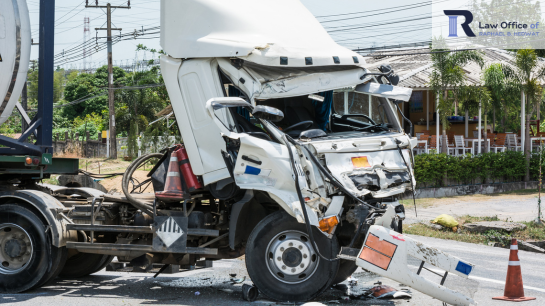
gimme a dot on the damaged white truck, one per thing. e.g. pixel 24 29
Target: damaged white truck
pixel 276 164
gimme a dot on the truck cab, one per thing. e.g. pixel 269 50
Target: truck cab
pixel 273 112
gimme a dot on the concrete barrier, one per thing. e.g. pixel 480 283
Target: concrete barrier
pixel 452 191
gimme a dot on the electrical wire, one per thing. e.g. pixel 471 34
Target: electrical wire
pixel 397 141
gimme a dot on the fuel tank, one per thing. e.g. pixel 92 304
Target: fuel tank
pixel 14 53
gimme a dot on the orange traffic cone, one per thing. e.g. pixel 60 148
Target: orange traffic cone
pixel 173 185
pixel 514 290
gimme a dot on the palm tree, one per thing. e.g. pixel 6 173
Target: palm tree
pixel 472 98
pixel 525 74
pixel 447 74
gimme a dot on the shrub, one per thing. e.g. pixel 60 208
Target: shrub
pixel 434 170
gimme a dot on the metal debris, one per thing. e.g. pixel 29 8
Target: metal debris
pixel 238 280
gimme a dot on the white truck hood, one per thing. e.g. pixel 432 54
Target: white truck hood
pixel 258 31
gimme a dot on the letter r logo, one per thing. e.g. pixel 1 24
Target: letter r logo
pixel 453 22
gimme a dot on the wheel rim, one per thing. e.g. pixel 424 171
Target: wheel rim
pixel 15 248
pixel 290 257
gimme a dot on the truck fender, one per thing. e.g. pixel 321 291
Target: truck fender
pixel 245 215
pixel 49 207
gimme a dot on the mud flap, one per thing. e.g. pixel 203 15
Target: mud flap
pixel 385 253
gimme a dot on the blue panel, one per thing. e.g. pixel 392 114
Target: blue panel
pixel 252 170
pixel 462 267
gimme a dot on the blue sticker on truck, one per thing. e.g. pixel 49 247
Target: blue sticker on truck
pixel 464 268
pixel 252 170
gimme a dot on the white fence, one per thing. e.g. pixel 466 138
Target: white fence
pixel 147 144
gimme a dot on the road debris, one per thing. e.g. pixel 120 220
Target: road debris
pixel 352 281
pixel 197 293
pixel 227 290
pixel 387 292
pixel 238 280
pixel 249 292
pixel 446 221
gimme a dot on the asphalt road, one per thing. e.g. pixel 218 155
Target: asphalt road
pixel 212 286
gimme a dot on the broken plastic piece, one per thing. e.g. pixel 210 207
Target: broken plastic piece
pixel 238 280
pixel 327 225
pixel 385 253
pixel 197 293
pixel 386 292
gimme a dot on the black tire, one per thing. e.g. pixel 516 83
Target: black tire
pixel 260 265
pixel 83 264
pixel 59 256
pixel 346 269
pixel 44 259
pixel 107 261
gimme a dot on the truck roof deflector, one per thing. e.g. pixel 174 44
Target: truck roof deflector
pixel 385 91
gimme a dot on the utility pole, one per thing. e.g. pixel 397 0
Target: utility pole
pixel 111 105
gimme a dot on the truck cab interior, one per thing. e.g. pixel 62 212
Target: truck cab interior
pixel 303 114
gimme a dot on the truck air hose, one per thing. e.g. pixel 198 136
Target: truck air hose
pixel 143 206
pixel 333 181
pixel 330 177
pixel 302 202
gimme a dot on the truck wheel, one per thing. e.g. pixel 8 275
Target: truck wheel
pixel 27 258
pixel 282 263
pixel 83 264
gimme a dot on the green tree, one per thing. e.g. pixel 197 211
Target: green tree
pixel 525 75
pixel 87 85
pixel 447 74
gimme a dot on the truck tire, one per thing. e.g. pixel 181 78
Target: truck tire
pixel 282 263
pixel 59 256
pixel 346 269
pixel 27 258
pixel 84 264
pixel 107 261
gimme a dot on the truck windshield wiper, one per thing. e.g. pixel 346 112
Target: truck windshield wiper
pixel 382 126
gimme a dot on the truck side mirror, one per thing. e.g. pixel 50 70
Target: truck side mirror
pixel 268 113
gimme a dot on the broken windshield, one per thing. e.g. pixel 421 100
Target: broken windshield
pixel 353 111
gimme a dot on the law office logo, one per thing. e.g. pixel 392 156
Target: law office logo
pixel 453 22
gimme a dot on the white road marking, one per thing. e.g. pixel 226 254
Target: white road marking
pixel 503 283
pixel 488 280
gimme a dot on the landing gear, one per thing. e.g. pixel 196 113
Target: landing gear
pixel 27 258
pixel 282 263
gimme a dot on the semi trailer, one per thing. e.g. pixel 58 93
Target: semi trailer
pixel 274 165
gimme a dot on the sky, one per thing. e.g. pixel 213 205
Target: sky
pixel 352 23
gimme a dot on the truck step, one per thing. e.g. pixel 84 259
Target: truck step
pixel 136 229
pixel 172 269
pixel 97 247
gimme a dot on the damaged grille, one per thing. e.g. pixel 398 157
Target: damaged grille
pixel 395 179
pixel 366 181
pixel 372 182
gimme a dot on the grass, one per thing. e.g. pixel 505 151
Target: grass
pixel 532 231
pixel 420 203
